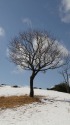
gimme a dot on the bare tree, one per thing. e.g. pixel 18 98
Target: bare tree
pixel 35 51
pixel 65 72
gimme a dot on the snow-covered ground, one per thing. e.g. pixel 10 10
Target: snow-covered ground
pixel 55 109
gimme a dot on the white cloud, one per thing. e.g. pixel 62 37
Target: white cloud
pixel 65 11
pixel 17 70
pixel 2 31
pixel 27 21
pixel 7 52
pixel 63 49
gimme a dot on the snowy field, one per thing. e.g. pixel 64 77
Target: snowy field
pixel 55 109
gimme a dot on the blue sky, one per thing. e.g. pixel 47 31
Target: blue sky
pixel 21 15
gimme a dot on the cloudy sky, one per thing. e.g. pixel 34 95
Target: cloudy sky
pixel 20 15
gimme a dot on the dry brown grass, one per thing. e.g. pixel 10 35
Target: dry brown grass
pixel 15 101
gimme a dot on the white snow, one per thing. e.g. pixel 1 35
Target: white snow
pixel 55 109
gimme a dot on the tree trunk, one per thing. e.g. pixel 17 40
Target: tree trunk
pixel 68 89
pixel 31 86
pixel 31 83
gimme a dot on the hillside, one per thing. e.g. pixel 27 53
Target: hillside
pixel 53 110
